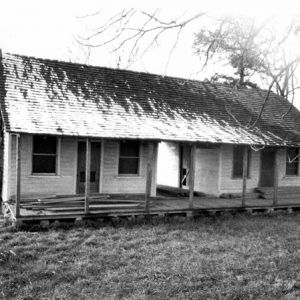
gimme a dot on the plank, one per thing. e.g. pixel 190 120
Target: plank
pixel 18 172
pixel 245 173
pixel 149 175
pixel 94 207
pixel 87 174
pixel 192 176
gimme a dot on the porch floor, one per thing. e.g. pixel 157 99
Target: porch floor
pixel 66 208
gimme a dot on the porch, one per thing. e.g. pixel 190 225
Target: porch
pixel 105 205
pixel 152 200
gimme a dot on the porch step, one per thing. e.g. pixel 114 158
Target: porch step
pixel 281 190
pixel 282 193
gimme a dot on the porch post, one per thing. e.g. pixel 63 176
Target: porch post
pixel 18 171
pixel 87 175
pixel 245 172
pixel 275 195
pixel 192 177
pixel 149 175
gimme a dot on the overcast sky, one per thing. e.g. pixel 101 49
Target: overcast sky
pixel 48 29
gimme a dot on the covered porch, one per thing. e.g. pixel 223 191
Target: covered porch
pixel 104 205
pixel 155 200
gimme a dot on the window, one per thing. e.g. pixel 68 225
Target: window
pixel 292 161
pixel 44 155
pixel 129 158
pixel 238 153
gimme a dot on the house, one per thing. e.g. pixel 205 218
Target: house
pixel 55 114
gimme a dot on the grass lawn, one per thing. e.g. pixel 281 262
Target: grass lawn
pixel 222 257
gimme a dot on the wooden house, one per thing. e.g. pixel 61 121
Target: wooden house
pixel 55 114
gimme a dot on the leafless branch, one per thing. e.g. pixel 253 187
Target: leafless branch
pixel 135 28
pixel 89 15
pixel 291 160
pixel 173 48
pixel 270 88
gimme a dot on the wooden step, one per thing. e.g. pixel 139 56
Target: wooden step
pixel 268 190
pixel 284 196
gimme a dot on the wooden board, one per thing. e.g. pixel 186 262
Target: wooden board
pixel 103 206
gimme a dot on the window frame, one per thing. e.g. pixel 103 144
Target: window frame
pixel 130 157
pixel 233 176
pixel 56 155
pixel 296 161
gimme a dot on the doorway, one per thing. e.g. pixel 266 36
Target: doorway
pixel 267 168
pixel 94 167
pixel 184 166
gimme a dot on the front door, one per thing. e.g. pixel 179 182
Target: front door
pixel 267 168
pixel 94 169
pixel 184 167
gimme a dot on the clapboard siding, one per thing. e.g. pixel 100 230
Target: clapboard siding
pixel 114 183
pixel 234 185
pixel 207 171
pixel 6 168
pixel 63 183
pixel 213 169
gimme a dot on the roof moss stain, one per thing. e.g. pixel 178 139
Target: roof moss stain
pixel 52 97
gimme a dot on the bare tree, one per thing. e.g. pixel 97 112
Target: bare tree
pixel 256 51
pixel 136 32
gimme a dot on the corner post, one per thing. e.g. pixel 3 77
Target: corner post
pixel 87 175
pixel 245 173
pixel 192 177
pixel 149 175
pixel 275 194
pixel 18 171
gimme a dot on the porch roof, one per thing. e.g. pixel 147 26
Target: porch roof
pixel 40 96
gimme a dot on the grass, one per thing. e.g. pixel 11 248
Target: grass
pixel 224 257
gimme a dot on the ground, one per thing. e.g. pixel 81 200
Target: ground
pixel 218 257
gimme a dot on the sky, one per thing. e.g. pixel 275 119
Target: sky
pixel 49 29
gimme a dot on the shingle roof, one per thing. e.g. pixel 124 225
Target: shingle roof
pixel 41 96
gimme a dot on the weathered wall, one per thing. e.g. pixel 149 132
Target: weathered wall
pixel 228 184
pixel 65 181
pixel 168 164
pixel 114 183
pixel 214 169
pixel 207 170
pixel 62 183
pixel 234 185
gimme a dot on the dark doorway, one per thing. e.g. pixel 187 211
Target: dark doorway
pixel 184 166
pixel 267 168
pixel 94 169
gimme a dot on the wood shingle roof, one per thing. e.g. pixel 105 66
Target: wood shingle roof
pixel 40 96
